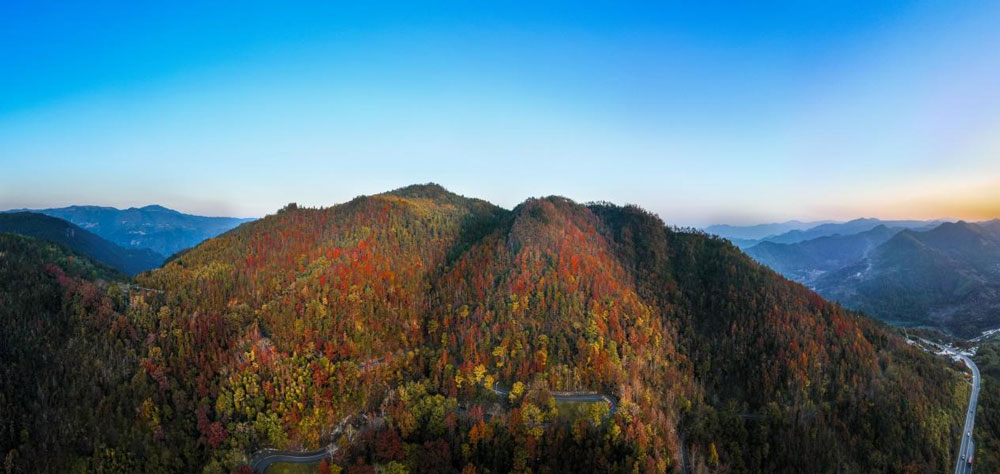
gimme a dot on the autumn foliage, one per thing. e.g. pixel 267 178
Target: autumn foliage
pixel 398 314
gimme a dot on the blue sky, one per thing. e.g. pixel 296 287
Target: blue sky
pixel 702 112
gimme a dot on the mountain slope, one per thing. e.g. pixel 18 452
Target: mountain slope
pixel 947 277
pixel 545 301
pixel 687 333
pixel 807 260
pixel 438 328
pixel 156 228
pixel 129 261
pixel 65 352
pixel 813 373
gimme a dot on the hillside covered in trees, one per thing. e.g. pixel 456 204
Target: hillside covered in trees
pixel 440 327
pixel 40 226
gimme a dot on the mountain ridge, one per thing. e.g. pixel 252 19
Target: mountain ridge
pixel 832 228
pixel 553 293
pixel 41 226
pixel 154 227
pixel 947 277
pixel 412 305
pixel 760 231
pixel 807 260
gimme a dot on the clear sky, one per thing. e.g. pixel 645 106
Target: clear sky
pixel 703 112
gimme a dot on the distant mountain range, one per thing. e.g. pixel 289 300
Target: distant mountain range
pixel 40 226
pixel 948 277
pixel 759 231
pixel 805 261
pixel 162 230
pixel 739 235
pixel 945 276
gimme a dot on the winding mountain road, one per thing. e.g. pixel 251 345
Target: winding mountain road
pixel 263 459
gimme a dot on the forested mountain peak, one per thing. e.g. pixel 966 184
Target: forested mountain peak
pixel 423 306
pixel 905 241
pixel 157 208
pixel 428 190
pixel 956 228
pixel 957 234
pixel 551 218
pixel 966 242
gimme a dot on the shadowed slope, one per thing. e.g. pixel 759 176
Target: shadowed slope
pixel 129 261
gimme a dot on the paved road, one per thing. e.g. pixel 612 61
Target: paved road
pixel 585 397
pixel 132 286
pixel 263 459
pixel 967 448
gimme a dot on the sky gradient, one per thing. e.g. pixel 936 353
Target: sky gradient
pixel 703 112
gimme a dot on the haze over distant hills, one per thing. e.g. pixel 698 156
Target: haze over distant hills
pixel 911 273
pixel 40 226
pixel 947 277
pixel 759 231
pixel 737 234
pixel 162 230
pixel 845 228
pixel 804 261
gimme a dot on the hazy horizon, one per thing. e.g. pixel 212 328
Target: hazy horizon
pixel 736 222
pixel 703 114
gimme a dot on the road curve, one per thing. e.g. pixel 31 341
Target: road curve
pixel 967 446
pixel 263 459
